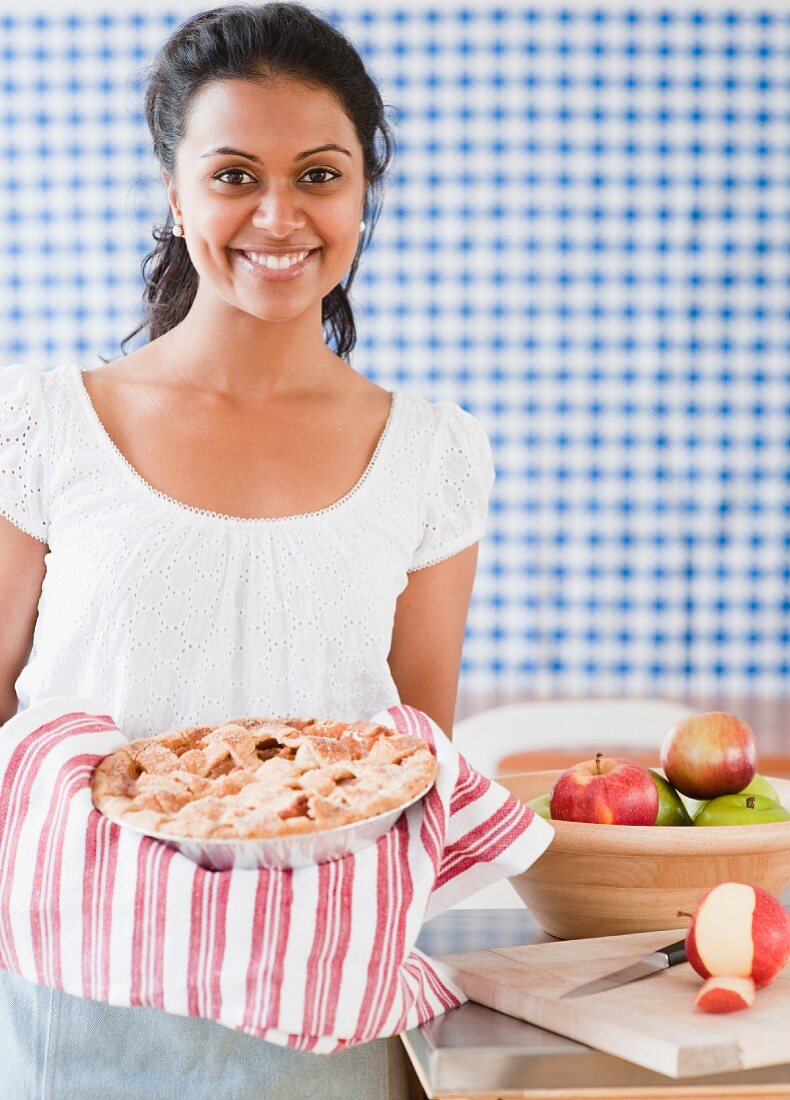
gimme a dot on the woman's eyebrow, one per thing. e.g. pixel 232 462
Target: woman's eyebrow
pixel 250 156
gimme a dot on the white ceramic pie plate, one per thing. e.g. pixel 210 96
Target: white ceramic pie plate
pixel 282 852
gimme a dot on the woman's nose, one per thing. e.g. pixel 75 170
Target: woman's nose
pixel 278 213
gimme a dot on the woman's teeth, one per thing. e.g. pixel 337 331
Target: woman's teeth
pixel 276 263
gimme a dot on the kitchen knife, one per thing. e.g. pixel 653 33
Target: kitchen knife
pixel 653 963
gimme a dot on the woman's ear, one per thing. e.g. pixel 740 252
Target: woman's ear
pixel 172 196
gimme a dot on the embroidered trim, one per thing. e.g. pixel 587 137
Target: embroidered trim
pixel 17 523
pixel 444 557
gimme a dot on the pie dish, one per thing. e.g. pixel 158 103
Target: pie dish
pixel 263 780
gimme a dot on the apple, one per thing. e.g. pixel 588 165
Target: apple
pixel 707 755
pixel 608 790
pixel 693 805
pixel 739 930
pixel 541 806
pixel 760 785
pixel 741 809
pixel 725 993
pixel 671 810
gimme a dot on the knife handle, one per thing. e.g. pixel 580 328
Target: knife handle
pixel 675 953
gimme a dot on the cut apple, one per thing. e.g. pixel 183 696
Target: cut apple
pixel 739 930
pixel 725 993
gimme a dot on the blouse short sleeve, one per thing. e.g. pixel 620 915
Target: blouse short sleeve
pixel 458 485
pixel 24 450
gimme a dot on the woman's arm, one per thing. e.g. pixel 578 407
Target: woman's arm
pixel 21 577
pixel 428 635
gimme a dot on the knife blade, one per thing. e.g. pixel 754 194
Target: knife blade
pixel 651 964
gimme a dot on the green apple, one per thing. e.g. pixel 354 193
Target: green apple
pixel 693 805
pixel 671 810
pixel 541 805
pixel 760 785
pixel 741 809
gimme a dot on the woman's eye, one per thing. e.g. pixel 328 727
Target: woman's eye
pixel 231 172
pixel 324 171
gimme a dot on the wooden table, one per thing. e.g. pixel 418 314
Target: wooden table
pixel 474 1053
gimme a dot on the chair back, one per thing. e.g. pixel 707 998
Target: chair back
pixel 487 738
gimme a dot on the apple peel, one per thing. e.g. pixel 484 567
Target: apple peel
pixel 725 993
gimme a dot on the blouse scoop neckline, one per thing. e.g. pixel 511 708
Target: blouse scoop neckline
pixel 109 445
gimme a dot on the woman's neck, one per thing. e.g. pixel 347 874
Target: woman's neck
pixel 242 357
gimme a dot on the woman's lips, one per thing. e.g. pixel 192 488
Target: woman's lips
pixel 268 275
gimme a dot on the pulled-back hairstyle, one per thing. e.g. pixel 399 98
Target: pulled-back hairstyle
pixel 258 42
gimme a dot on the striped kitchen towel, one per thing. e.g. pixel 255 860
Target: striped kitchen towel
pixel 317 958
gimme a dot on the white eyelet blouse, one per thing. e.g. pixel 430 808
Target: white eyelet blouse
pixel 177 615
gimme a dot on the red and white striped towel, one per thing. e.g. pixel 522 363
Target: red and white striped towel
pixel 317 958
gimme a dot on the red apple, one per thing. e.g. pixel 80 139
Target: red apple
pixel 606 791
pixel 725 993
pixel 739 930
pixel 708 755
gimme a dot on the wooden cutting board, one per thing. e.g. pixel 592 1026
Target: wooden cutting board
pixel 652 1022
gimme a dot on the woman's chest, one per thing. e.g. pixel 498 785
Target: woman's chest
pixel 248 462
pixel 176 505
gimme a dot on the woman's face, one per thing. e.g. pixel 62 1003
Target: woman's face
pixel 282 192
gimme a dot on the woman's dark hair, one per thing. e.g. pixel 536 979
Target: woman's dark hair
pixel 256 42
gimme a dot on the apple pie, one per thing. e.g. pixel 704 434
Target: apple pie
pixel 261 777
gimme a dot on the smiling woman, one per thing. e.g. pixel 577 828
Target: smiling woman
pixel 231 520
pixel 342 170
pixel 287 216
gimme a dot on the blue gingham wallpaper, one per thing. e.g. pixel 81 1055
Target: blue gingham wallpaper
pixel 585 243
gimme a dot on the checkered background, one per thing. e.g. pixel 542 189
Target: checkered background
pixel 585 243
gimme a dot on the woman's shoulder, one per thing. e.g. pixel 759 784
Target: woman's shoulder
pixel 19 379
pixel 41 406
pixel 444 422
pixel 438 410
pixel 28 452
pixel 23 384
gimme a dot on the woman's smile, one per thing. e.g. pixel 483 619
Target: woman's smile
pixel 277 269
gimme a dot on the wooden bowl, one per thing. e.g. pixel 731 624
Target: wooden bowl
pixel 606 880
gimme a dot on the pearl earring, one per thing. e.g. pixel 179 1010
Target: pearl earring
pixel 178 230
pixel 362 227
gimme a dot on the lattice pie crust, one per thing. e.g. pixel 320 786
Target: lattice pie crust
pixel 261 777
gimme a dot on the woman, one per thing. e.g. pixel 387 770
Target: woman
pixel 231 519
